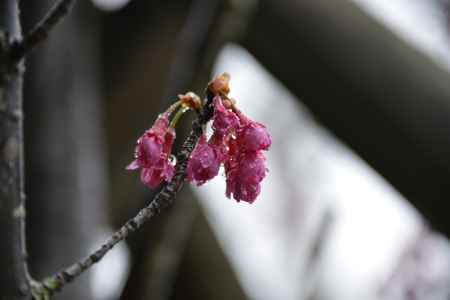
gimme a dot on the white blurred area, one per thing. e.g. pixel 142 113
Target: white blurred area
pixel 110 5
pixel 312 178
pixel 109 277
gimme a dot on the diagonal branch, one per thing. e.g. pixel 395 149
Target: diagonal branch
pixel 163 199
pixel 40 32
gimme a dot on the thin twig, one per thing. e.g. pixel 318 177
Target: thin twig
pixel 40 32
pixel 163 199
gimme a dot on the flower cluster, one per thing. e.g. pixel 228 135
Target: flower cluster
pixel 236 143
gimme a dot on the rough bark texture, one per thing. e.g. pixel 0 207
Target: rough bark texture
pixel 375 92
pixel 13 275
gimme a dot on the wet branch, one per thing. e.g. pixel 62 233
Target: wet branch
pixel 162 200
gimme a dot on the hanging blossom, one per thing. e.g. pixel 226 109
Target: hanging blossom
pixel 152 153
pixel 204 162
pixel 244 160
pixel 237 143
pixel 153 149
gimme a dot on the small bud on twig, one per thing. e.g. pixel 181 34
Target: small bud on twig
pixel 220 85
pixel 190 100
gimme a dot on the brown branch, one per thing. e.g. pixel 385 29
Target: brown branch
pixel 163 199
pixel 40 32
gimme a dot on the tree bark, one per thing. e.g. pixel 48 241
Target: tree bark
pixel 14 273
pixel 379 95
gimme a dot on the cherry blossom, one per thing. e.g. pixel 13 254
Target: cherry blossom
pixel 152 153
pixel 204 163
pixel 237 143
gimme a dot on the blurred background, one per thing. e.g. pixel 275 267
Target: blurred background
pixel 356 95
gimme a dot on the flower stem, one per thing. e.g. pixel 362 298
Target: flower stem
pixel 177 116
pixel 173 107
pixel 47 287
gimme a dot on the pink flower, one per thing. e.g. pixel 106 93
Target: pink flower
pixel 152 153
pixel 204 163
pixel 225 125
pixel 153 176
pixel 253 136
pixel 238 142
pixel 244 175
pixel 224 120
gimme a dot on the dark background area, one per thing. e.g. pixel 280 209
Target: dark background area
pixel 102 77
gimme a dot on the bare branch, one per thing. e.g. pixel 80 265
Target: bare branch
pixel 40 32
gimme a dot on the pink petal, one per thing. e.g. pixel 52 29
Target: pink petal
pixel 203 164
pixel 133 165
pixel 224 121
pixel 254 137
pixel 151 149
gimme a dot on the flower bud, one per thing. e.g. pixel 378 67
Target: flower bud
pixel 220 85
pixel 254 137
pixel 203 164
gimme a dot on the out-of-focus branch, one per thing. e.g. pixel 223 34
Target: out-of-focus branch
pixel 209 25
pixel 163 199
pixel 166 259
pixel 315 254
pixel 40 32
pixel 192 43
pixel 422 271
pixel 375 92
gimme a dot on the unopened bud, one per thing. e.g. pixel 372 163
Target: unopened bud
pixel 190 100
pixel 220 85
